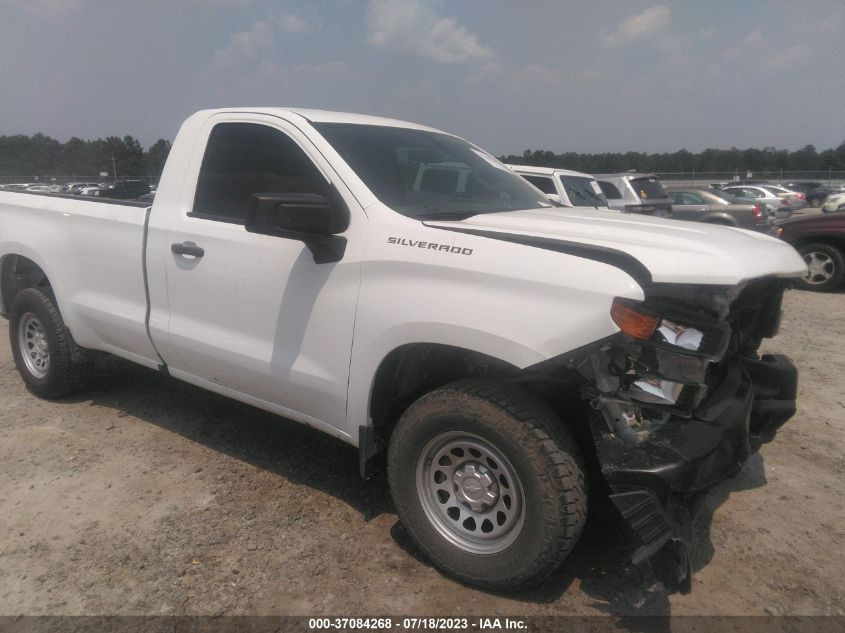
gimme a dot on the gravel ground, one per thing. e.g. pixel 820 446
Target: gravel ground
pixel 148 496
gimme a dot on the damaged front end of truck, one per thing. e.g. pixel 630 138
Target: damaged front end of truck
pixel 680 399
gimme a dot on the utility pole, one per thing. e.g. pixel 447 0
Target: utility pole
pixel 114 168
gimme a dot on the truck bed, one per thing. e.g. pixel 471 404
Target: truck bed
pixel 92 250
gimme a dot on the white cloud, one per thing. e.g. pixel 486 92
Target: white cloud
pixel 43 8
pixel 248 47
pixel 292 23
pixel 752 43
pixel 789 57
pixel 757 51
pixel 540 76
pixel 224 3
pixel 637 27
pixel 244 46
pixel 416 27
pixel 301 74
pixel 833 21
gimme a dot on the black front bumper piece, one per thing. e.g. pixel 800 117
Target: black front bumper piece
pixel 657 483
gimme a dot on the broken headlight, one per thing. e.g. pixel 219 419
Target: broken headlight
pixel 700 335
pixel 678 335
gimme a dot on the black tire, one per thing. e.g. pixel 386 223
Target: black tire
pixel 61 375
pixel 538 449
pixel 830 267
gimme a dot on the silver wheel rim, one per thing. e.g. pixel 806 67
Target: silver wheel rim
pixel 470 493
pixel 32 340
pixel 820 267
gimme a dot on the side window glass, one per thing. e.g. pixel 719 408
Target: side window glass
pixel 609 190
pixel 246 158
pixel 544 184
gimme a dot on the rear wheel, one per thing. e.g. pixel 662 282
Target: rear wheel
pixel 825 267
pixel 488 483
pixel 43 348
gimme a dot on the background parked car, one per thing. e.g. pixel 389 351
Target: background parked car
pixel 635 193
pixel 569 188
pixel 815 192
pixel 717 207
pixel 834 202
pixel 745 181
pixel 796 199
pixel 76 187
pixel 778 207
pixel 820 239
pixel 124 190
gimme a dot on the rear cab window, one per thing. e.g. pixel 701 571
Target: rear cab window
pixel 543 183
pixel 246 158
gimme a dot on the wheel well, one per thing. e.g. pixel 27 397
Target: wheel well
pixel 411 371
pixel 18 273
pixel 831 240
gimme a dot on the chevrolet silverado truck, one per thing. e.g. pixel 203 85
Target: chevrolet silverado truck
pixel 400 289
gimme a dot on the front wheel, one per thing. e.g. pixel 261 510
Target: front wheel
pixel 825 267
pixel 488 483
pixel 43 348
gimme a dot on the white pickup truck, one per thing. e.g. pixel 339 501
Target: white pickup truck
pixel 399 288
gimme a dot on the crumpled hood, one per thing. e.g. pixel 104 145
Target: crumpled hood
pixel 673 251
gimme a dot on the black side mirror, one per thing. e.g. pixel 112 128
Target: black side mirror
pixel 311 218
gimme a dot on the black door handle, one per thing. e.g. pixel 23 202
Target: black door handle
pixel 187 248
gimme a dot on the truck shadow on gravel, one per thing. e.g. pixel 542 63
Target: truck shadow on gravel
pixel 300 454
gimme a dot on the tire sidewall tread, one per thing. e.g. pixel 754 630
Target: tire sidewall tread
pixel 64 376
pixel 838 258
pixel 540 449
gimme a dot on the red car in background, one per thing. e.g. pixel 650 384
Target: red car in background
pixel 821 241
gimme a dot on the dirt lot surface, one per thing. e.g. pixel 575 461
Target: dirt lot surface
pixel 148 496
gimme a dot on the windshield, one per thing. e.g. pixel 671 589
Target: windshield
pixel 429 175
pixel 583 191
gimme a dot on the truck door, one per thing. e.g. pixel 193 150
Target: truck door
pixel 252 313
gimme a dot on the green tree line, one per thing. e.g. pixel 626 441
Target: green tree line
pixel 767 159
pixel 40 155
pixel 27 156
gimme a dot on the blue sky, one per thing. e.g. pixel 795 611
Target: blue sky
pixel 564 76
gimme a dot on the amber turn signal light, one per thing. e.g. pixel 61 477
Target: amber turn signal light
pixel 632 322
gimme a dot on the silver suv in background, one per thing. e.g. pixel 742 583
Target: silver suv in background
pixel 633 192
pixel 568 188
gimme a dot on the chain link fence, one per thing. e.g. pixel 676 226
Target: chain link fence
pixel 831 179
